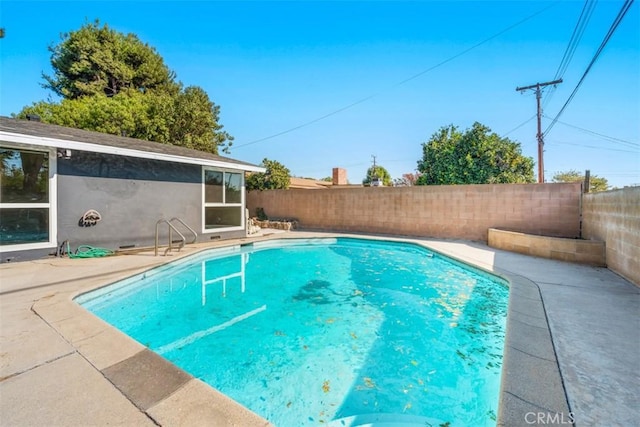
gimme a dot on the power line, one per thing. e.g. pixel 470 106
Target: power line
pixel 474 46
pixel 608 174
pixel 415 76
pixel 620 174
pixel 520 125
pixel 574 41
pixel 610 138
pixel 595 147
pixel 578 31
pixel 625 7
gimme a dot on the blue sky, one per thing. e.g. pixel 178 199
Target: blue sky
pixel 292 68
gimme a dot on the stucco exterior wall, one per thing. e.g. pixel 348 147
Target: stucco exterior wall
pixel 451 211
pixel 614 217
pixel 131 195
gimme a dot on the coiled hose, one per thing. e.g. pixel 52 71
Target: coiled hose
pixel 86 251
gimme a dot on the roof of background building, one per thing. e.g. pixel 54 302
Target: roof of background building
pixel 309 183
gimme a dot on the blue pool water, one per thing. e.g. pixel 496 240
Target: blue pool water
pixel 325 331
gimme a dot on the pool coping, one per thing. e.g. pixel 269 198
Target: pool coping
pixel 531 379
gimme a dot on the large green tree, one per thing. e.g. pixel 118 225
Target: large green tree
pixel 275 177
pixel 195 121
pixel 99 60
pixel 596 183
pixel 475 156
pixel 113 83
pixel 377 172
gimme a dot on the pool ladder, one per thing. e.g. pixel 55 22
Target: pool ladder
pixel 181 242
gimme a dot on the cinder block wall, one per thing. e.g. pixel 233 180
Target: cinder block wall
pixel 614 217
pixel 447 211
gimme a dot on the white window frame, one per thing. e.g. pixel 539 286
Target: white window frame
pixel 52 205
pixel 206 204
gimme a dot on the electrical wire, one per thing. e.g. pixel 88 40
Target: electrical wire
pixel 408 79
pixel 521 124
pixel 574 41
pixel 621 174
pixel 625 8
pixel 578 32
pixel 595 147
pixel 610 138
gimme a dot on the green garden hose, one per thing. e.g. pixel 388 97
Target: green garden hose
pixel 86 251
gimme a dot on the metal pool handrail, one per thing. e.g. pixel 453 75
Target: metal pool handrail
pixel 172 228
pixel 195 235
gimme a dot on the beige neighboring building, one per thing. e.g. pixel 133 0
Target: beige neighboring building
pixel 339 178
pixel 309 184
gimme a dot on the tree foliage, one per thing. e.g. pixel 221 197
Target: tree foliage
pixel 596 183
pixel 407 180
pixel 195 121
pixel 377 172
pixel 475 156
pixel 99 60
pixel 125 114
pixel 276 177
pixel 113 83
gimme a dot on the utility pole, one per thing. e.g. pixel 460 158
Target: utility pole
pixel 375 181
pixel 587 181
pixel 375 172
pixel 538 87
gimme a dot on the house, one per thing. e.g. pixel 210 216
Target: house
pixel 338 180
pixel 87 188
pixel 308 183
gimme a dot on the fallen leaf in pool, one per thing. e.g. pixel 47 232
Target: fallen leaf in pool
pixel 369 382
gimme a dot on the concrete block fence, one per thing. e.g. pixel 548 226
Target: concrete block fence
pixel 447 211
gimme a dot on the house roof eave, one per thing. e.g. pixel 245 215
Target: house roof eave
pixel 35 133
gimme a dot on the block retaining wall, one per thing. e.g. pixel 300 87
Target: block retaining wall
pixel 447 211
pixel 589 252
pixel 614 217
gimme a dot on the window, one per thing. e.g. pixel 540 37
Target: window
pixel 223 200
pixel 26 189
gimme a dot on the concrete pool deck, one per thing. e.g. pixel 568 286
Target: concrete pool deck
pixel 61 366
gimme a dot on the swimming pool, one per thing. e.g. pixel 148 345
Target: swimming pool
pixel 336 331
